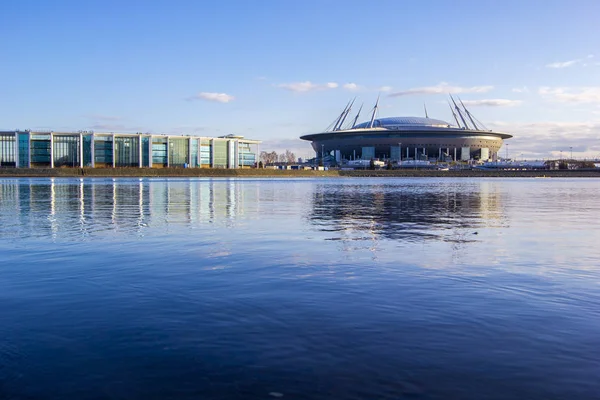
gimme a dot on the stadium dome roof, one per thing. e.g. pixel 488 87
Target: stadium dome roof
pixel 405 121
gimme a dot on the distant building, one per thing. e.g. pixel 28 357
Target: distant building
pixel 33 149
pixel 407 138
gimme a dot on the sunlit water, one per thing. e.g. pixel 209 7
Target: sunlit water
pixel 300 289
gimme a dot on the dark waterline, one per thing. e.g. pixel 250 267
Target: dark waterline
pixel 333 288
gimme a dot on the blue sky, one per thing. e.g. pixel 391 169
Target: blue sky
pixel 274 70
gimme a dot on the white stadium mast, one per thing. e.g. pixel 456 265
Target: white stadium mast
pixel 357 115
pixel 468 114
pixel 454 114
pixel 345 114
pixel 337 121
pixel 460 113
pixel 374 112
pixel 462 116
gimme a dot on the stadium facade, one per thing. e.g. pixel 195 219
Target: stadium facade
pixel 407 138
pixel 48 149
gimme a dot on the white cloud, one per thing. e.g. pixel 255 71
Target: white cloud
pixel 570 63
pixel 590 94
pixel 351 86
pixel 307 86
pixel 443 87
pixel 563 64
pixel 492 103
pixel 548 139
pixel 209 96
pixel 298 86
pixel 523 89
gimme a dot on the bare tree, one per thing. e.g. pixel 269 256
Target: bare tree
pixel 282 158
pixel 269 158
pixel 290 157
pixel 263 156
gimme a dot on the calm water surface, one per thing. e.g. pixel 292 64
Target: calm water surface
pixel 299 289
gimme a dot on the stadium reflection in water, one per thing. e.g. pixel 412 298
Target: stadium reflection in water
pixel 435 210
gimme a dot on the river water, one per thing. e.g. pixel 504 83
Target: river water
pixel 299 289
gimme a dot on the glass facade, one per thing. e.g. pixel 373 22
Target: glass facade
pixel 178 152
pixel 87 150
pixel 40 150
pixel 25 149
pixel 159 152
pixel 205 153
pixel 368 153
pixel 127 151
pixel 146 151
pixel 66 151
pixel 103 151
pixel 247 158
pixel 220 153
pixel 194 153
pixel 7 150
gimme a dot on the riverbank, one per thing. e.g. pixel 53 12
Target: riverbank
pixel 272 173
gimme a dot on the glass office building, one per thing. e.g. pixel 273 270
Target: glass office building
pixel 28 149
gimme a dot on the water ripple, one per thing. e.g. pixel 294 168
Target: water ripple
pixel 320 289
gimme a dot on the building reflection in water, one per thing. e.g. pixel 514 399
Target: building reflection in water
pixel 84 207
pixel 408 212
pixel 349 211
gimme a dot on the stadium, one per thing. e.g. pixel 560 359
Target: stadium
pixel 407 138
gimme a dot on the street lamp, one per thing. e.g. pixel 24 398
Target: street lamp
pixel 506 151
pixel 322 154
pixel 571 148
